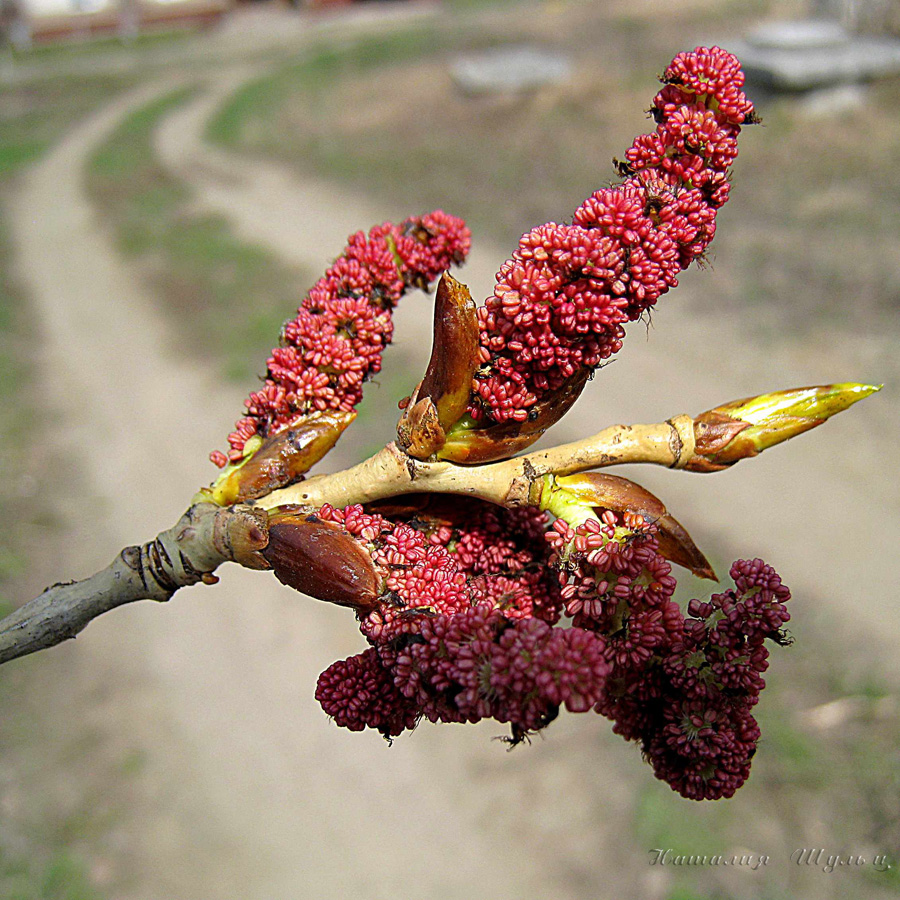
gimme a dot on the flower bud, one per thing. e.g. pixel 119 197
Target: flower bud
pixel 322 560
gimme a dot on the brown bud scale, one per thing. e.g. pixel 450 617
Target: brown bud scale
pixel 320 559
pixel 283 457
pixel 621 495
pixel 500 441
pixel 442 396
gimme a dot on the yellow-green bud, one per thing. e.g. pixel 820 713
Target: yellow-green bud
pixel 744 428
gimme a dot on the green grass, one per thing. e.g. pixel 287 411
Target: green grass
pixel 47 834
pixel 14 326
pixel 17 424
pixel 35 113
pixel 319 68
pixel 228 298
pixel 61 877
pixel 63 792
pixel 96 48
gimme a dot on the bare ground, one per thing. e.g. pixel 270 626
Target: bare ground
pixel 248 790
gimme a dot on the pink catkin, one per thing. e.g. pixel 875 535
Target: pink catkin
pixel 466 629
pixel 468 623
pixel 561 302
pixel 335 342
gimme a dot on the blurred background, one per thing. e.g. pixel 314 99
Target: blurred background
pixel 173 177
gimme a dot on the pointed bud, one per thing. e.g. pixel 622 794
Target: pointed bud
pixel 620 495
pixel 454 351
pixel 442 396
pixel 322 560
pixel 744 428
pixel 280 459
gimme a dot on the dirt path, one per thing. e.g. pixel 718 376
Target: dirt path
pixel 249 792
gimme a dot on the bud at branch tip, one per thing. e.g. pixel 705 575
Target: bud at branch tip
pixel 744 428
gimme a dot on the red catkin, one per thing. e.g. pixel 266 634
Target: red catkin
pixel 468 626
pixel 561 302
pixel 334 343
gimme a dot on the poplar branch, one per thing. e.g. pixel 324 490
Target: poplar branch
pixel 512 482
pixel 208 535
pixel 189 552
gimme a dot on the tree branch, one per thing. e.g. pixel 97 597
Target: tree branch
pixel 512 482
pixel 208 535
pixel 202 539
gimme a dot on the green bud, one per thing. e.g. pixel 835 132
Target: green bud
pixel 744 428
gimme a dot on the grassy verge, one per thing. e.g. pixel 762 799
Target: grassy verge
pixel 64 791
pixel 14 426
pixel 34 114
pixel 376 114
pixel 101 47
pixel 61 878
pixel 228 298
